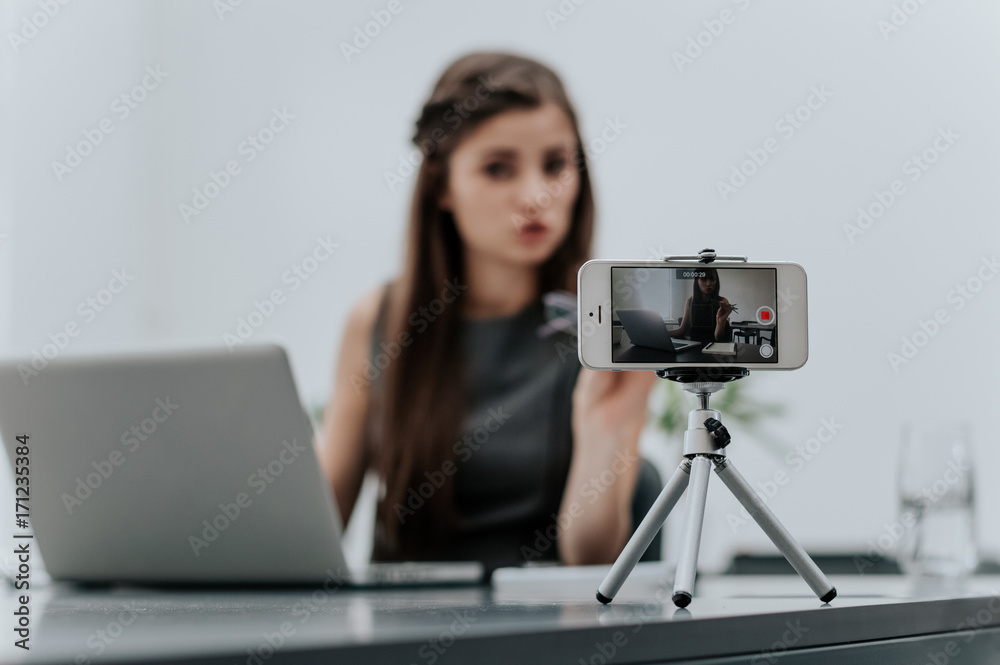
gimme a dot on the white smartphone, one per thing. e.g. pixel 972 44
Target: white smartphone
pixel 662 314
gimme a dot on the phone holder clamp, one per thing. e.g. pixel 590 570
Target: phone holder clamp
pixel 706 255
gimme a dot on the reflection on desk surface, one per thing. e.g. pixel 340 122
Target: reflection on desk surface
pixel 176 623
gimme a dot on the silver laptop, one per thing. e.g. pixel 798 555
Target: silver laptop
pixel 646 328
pixel 192 467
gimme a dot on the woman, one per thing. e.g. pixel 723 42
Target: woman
pixel 490 442
pixel 706 313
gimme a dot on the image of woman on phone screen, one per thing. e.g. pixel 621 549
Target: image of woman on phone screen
pixel 490 442
pixel 706 313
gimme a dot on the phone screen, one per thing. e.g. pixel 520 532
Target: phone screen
pixel 698 315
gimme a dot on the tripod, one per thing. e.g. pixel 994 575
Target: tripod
pixel 704 446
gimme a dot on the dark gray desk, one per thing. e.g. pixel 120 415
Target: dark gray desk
pixel 876 619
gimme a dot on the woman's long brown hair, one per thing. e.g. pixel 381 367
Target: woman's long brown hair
pixel 416 415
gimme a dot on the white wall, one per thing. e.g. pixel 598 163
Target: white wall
pixel 656 187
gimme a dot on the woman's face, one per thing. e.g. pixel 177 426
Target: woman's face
pixel 709 285
pixel 512 184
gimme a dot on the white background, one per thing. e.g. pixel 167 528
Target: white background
pixel 656 184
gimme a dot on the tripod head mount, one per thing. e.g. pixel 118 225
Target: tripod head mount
pixel 703 381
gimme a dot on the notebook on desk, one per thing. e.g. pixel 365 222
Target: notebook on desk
pixel 720 349
pixel 192 467
pixel 575 582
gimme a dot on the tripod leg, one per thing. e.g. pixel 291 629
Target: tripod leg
pixel 779 535
pixel 688 561
pixel 644 533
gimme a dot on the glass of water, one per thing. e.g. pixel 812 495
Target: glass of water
pixel 937 499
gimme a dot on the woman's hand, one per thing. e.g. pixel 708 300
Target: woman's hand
pixel 609 412
pixel 725 309
pixel 610 407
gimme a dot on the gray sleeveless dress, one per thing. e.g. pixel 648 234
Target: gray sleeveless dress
pixel 517 442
